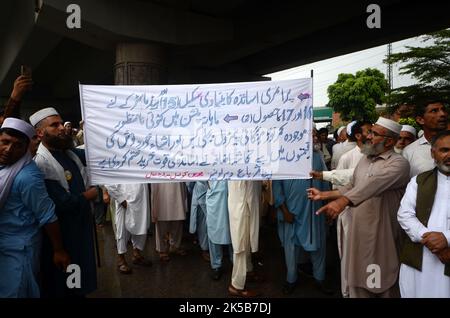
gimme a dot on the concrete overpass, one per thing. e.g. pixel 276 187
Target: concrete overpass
pixel 187 41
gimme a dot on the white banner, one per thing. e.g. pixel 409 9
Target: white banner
pixel 234 131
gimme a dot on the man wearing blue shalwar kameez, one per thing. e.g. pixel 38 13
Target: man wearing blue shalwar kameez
pixel 218 225
pixel 25 207
pixel 197 222
pixel 295 230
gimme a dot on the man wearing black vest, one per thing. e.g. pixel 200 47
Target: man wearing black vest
pixel 424 214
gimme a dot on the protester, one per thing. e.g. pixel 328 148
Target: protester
pixel 299 229
pixel 432 116
pixel 407 136
pixel 197 222
pixel 218 226
pixel 132 218
pixel 24 208
pixel 168 206
pixel 243 207
pixel 68 186
pixel 374 196
pixel 424 215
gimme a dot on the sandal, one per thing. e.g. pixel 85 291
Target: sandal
pixel 246 293
pixel 124 268
pixel 163 257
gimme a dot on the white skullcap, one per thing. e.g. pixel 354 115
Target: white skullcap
pixel 349 127
pixel 67 123
pixel 42 114
pixel 19 125
pixel 389 124
pixel 420 133
pixel 340 130
pixel 409 129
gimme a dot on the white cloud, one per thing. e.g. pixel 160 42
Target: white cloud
pixel 326 71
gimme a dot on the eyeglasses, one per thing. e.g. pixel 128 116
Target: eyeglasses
pixel 375 134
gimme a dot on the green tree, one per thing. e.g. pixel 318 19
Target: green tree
pixel 355 96
pixel 430 66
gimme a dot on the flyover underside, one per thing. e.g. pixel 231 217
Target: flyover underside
pixel 205 42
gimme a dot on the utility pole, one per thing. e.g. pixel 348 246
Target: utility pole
pixel 389 73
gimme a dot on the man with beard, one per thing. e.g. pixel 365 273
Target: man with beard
pixel 424 215
pixel 24 208
pixel 342 176
pixel 379 180
pixel 432 116
pixel 66 182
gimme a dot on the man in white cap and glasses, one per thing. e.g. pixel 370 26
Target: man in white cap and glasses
pixel 374 195
pixel 408 135
pixel 25 207
pixel 67 184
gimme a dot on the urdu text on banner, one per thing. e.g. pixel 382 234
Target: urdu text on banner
pixel 233 131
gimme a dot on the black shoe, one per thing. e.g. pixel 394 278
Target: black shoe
pixel 288 288
pixel 323 288
pixel 305 269
pixel 216 273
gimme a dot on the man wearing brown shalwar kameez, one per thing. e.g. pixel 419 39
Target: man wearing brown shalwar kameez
pixel 374 195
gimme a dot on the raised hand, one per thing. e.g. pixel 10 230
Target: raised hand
pixel 21 85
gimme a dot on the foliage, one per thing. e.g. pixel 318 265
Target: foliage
pixel 355 96
pixel 409 121
pixel 430 66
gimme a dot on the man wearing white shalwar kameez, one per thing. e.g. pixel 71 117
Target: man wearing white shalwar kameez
pixel 243 205
pixel 425 268
pixel 132 218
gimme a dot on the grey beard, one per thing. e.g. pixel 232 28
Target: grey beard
pixel 371 150
pixel 442 168
pixel 398 150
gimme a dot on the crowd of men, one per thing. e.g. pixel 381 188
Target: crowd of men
pixel 387 192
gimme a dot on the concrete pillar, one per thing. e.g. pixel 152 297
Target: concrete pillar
pixel 140 64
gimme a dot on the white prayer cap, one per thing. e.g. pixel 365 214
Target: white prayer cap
pixel 409 129
pixel 349 127
pixel 19 125
pixel 389 124
pixel 420 133
pixel 67 123
pixel 340 130
pixel 42 114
